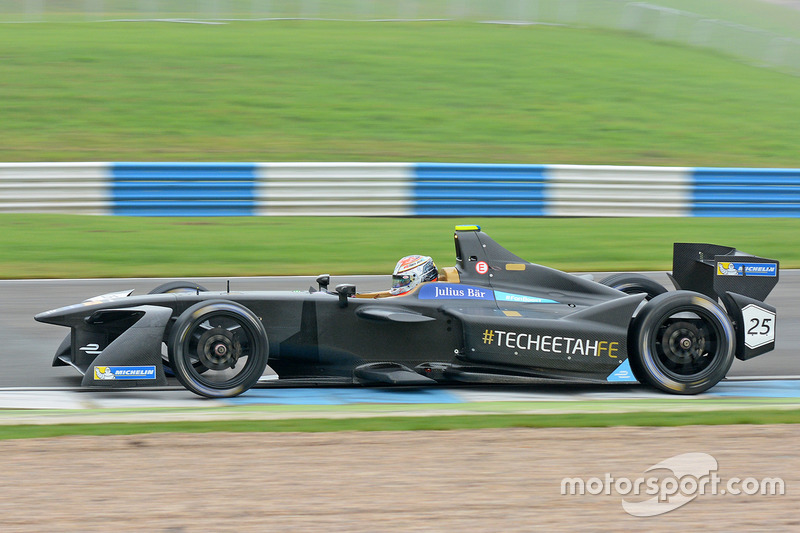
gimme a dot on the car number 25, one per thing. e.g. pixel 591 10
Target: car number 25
pixel 759 324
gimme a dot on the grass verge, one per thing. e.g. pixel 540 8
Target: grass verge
pixel 73 246
pixel 436 91
pixel 405 423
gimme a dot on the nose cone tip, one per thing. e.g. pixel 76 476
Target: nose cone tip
pixel 52 316
pixel 43 317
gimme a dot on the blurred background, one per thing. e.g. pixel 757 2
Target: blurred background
pixel 683 83
pixel 758 34
pixel 677 84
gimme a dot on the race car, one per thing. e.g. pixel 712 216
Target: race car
pixel 491 318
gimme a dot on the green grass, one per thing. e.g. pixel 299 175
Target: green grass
pixel 412 423
pixel 315 91
pixel 767 15
pixel 61 246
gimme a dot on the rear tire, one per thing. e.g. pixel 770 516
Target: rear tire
pixel 681 342
pixel 218 349
pixel 634 284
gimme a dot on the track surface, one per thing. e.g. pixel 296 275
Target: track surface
pixel 18 406
pixel 28 346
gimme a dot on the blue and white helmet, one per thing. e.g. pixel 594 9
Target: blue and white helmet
pixel 410 271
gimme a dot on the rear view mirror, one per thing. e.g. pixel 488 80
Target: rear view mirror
pixel 345 291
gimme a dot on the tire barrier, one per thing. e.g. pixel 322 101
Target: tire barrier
pixel 183 189
pixel 81 188
pixel 330 189
pixel 745 192
pixel 395 189
pixel 479 190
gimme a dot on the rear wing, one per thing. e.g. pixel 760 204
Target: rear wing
pixel 715 270
pixel 741 281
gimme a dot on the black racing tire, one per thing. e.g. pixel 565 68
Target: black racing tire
pixel 173 287
pixel 178 286
pixel 630 283
pixel 218 348
pixel 681 342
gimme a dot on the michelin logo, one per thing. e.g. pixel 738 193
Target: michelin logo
pixel 747 269
pixel 103 373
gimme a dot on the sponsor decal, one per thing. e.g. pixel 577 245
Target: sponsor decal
pixel 747 269
pixel 759 326
pixel 453 291
pixel 622 374
pixel 102 373
pixel 550 343
pixel 481 267
pixel 521 298
pixel 91 349
pixel 410 262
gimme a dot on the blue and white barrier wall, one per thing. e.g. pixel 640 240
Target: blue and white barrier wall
pixel 395 189
pixel 55 188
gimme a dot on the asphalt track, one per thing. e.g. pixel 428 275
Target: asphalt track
pixel 27 347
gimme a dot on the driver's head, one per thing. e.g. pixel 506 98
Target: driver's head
pixel 410 271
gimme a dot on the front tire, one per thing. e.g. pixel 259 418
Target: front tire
pixel 681 342
pixel 178 287
pixel 175 287
pixel 218 349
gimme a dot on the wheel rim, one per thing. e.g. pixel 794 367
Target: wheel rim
pixel 217 348
pixel 687 344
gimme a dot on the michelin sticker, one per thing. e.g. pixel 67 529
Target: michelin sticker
pixel 521 298
pixel 452 291
pixel 103 373
pixel 747 269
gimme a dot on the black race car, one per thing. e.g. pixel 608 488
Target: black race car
pixel 492 318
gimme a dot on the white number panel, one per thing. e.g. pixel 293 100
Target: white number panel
pixel 759 326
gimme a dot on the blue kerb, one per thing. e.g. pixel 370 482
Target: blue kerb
pixel 342 396
pixel 758 389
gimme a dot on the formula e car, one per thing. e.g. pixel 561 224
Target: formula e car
pixel 491 318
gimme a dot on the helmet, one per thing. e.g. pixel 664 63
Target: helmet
pixel 410 271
